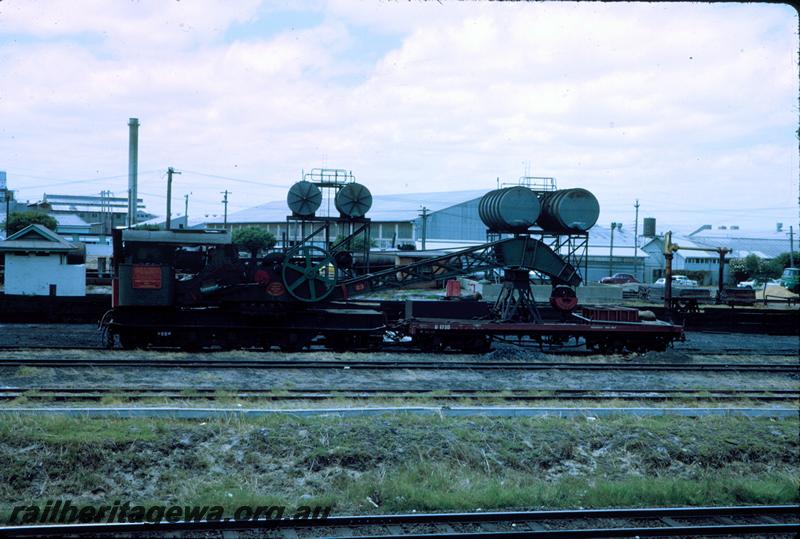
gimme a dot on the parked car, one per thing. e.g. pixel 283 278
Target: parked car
pixel 619 278
pixel 756 283
pixel 791 279
pixel 677 281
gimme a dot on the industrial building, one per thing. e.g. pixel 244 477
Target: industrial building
pixel 395 219
pixel 449 220
pixel 82 219
pixel 102 212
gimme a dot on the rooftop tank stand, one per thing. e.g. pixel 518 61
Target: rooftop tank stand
pixel 311 255
pixel 516 210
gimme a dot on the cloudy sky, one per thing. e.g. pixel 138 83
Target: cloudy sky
pixel 691 108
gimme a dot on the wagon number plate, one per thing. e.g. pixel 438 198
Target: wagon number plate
pixel 147 277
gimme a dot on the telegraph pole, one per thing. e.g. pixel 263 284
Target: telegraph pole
pixel 611 251
pixel 791 245
pixel 186 208
pixel 636 241
pixel 102 216
pixel 170 172
pixel 8 207
pixel 424 215
pixel 225 202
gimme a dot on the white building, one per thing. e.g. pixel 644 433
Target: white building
pixel 38 262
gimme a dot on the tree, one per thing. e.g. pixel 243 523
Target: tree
pixel 18 221
pixel 356 244
pixel 783 261
pixel 753 267
pixel 745 268
pixel 254 239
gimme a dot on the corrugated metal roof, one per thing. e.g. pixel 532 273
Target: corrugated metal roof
pixel 600 235
pixel 88 208
pixel 402 207
pixel 621 251
pixel 69 219
pixel 743 233
pixel 741 247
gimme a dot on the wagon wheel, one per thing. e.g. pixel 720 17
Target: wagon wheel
pixel 305 273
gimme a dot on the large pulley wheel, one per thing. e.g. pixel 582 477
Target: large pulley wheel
pixel 309 273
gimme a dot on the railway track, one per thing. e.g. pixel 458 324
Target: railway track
pixel 394 365
pixel 401 348
pixel 773 520
pixel 210 394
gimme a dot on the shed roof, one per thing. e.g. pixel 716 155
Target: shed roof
pixel 70 219
pixel 403 207
pixel 35 238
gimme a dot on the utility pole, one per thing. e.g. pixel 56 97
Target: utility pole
pixel 186 208
pixel 225 202
pixel 170 172
pixel 611 251
pixel 424 215
pixel 668 252
pixel 636 242
pixel 791 245
pixel 102 216
pixel 6 194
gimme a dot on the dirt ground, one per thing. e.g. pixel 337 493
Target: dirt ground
pixel 232 379
pixel 431 379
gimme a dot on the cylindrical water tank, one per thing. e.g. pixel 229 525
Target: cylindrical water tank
pixel 568 210
pixel 513 209
pixel 353 200
pixel 304 198
pixel 649 227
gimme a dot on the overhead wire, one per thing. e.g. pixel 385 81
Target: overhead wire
pixel 72 182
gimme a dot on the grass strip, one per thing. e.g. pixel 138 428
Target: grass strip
pixel 401 463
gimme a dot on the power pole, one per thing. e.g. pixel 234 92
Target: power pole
pixel 102 216
pixel 170 172
pixel 668 253
pixel 186 208
pixel 225 202
pixel 611 251
pixel 636 241
pixel 8 206
pixel 424 215
pixel 791 245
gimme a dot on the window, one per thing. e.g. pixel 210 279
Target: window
pixel 405 231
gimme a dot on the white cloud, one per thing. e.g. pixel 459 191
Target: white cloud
pixel 617 98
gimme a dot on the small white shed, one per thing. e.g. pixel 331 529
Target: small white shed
pixel 41 263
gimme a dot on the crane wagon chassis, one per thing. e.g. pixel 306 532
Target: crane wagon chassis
pixel 364 327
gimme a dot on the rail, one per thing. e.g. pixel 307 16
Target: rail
pixel 647 522
pixel 399 364
pixel 453 394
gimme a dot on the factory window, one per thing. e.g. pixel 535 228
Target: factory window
pixel 405 230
